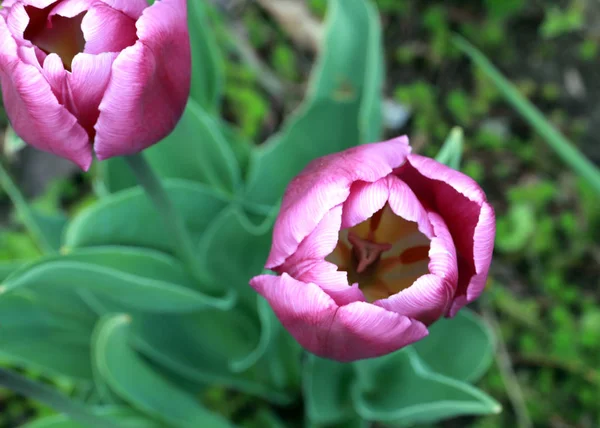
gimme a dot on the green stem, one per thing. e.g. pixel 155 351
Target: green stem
pixel 25 213
pixel 184 248
pixel 78 412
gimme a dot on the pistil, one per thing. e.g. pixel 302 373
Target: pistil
pixel 366 252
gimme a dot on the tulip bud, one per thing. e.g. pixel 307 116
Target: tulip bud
pixel 372 245
pixel 84 76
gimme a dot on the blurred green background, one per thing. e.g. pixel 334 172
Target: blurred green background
pixel 543 296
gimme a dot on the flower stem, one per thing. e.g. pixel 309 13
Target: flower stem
pixel 78 412
pixel 174 222
pixel 25 212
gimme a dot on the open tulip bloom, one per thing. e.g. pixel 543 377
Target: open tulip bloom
pixel 104 76
pixel 372 245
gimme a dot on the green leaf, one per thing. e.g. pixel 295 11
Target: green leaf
pixel 40 334
pixel 138 279
pixel 185 346
pixel 128 218
pixel 342 108
pixel 115 175
pixel 451 152
pixel 234 250
pixel 565 149
pixel 134 380
pixel 207 62
pixel 399 390
pixel 322 128
pixel 327 390
pixel 8 267
pixel 471 341
pixel 125 417
pixel 196 150
pixel 52 226
pixel 199 150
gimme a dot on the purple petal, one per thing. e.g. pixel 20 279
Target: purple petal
pixel 132 8
pixel 324 184
pixel 107 30
pixel 365 199
pixel 344 333
pixel 150 83
pixel 470 219
pixel 426 300
pixel 88 80
pixel 34 111
pixel 404 203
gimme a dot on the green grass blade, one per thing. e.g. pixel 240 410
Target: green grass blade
pixel 561 145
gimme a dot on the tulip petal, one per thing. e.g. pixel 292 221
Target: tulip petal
pixel 36 115
pixel 87 81
pixel 442 253
pixel 17 21
pixel 150 83
pixel 347 333
pixel 404 203
pixel 324 184
pixel 70 8
pixel 307 263
pixel 365 200
pixel 107 30
pixel 470 219
pixel 426 300
pixel 132 8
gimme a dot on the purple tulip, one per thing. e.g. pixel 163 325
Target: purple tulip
pixel 104 76
pixel 372 245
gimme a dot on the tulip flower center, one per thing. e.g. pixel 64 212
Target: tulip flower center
pixel 60 35
pixel 384 254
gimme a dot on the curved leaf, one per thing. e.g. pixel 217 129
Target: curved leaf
pixel 207 62
pixel 343 106
pixel 41 334
pixel 128 217
pixel 327 391
pixel 125 417
pixel 134 380
pixel 399 390
pixel 183 345
pixel 135 291
pixel 196 150
pixel 471 342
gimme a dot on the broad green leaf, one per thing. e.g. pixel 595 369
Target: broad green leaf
pixel 234 250
pixel 135 290
pixel 353 62
pixel 323 127
pixel 327 391
pixel 342 108
pixel 39 334
pixel 8 267
pixel 52 226
pixel 199 347
pixel 564 148
pixel 124 417
pixel 115 175
pixel 129 218
pixel 399 390
pixel 471 342
pixel 208 69
pixel 196 150
pixel 134 380
pixel 352 32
